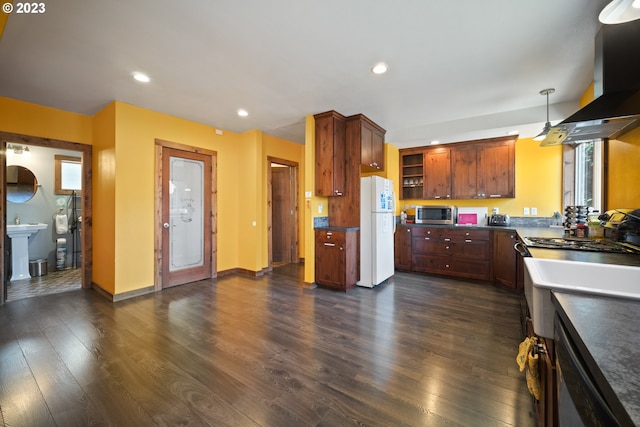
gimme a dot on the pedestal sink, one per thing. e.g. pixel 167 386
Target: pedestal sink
pixel 20 248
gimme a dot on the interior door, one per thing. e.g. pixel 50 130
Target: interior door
pixel 282 214
pixel 186 216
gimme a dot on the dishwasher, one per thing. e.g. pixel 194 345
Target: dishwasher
pixel 580 402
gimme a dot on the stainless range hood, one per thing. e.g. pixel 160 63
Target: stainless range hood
pixel 617 80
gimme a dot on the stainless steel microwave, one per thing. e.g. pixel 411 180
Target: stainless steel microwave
pixel 436 214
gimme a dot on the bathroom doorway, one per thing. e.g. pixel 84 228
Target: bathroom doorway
pixel 282 183
pixel 59 212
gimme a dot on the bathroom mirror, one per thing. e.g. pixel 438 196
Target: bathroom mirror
pixel 21 184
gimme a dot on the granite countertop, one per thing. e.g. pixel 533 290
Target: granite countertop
pixel 332 228
pixel 609 345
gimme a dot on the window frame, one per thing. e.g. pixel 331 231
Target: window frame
pixel 58 160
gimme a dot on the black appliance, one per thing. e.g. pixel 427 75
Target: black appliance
pixel 581 244
pixel 616 110
pixel 580 401
pixel 629 228
pixel 500 220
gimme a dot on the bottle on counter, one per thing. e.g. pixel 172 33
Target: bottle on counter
pixel 582 230
pixel 403 217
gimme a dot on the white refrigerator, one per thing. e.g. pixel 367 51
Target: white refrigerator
pixel 377 226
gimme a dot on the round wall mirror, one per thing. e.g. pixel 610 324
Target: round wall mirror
pixel 21 184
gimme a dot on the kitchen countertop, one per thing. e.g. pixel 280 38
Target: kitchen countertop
pixel 331 228
pixel 609 345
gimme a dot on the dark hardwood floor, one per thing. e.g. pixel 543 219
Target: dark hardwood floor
pixel 240 351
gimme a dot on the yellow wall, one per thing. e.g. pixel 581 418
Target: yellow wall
pixel 104 191
pixel 538 183
pixel 35 120
pixel 624 173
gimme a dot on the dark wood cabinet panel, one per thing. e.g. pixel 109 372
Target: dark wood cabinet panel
pixel 464 172
pixel 437 176
pixel 402 250
pixel 371 139
pixel 336 259
pixel 505 258
pixel 330 154
pixel 496 170
pixel 452 252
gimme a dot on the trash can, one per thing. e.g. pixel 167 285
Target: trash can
pixel 38 267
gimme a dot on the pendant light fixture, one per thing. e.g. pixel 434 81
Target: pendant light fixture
pixel 619 11
pixel 547 126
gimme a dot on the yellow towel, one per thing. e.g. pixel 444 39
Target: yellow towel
pixel 533 376
pixel 529 361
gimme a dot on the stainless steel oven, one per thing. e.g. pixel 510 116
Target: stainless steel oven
pixel 436 215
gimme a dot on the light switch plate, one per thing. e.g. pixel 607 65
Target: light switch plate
pixel 526 211
pixel 534 211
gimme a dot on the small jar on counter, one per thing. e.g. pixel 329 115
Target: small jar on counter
pixel 582 230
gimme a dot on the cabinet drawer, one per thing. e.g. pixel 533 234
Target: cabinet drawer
pixel 458 234
pixel 427 232
pixel 472 269
pixel 337 237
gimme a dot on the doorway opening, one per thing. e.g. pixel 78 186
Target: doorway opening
pixel 282 183
pixel 55 254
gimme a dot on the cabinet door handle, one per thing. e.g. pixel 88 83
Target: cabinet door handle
pixel 408 230
pixel 446 247
pixel 447 240
pixel 341 248
pixel 427 238
pixel 467 240
pixel 495 195
pixel 329 244
pixel 436 197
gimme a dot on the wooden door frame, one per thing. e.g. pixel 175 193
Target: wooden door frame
pixel 160 145
pixel 293 167
pixel 86 234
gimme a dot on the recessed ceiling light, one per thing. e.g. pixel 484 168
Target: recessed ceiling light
pixel 242 112
pixel 141 77
pixel 434 142
pixel 380 68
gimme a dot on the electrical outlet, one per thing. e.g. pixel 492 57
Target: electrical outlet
pixel 525 211
pixel 534 211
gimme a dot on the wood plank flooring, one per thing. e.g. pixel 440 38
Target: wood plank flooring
pixel 241 351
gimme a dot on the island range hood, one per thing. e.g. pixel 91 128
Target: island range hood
pixel 616 110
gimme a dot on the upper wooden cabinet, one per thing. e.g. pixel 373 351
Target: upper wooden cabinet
pixel 437 179
pixel 330 154
pixel 371 137
pixel 466 170
pixel 484 170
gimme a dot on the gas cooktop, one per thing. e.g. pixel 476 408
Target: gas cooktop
pixel 581 244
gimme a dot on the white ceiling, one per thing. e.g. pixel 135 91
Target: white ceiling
pixel 457 69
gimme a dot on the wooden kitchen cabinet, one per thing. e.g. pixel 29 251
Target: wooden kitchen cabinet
pixel 452 252
pixel 330 154
pixel 412 174
pixel 371 137
pixel 336 259
pixel 496 169
pixel 437 176
pixel 505 259
pixel 484 169
pixel 402 248
pixel 465 170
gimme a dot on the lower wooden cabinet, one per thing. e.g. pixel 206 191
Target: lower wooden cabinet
pixel 505 259
pixel 402 249
pixel 337 259
pixel 452 252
